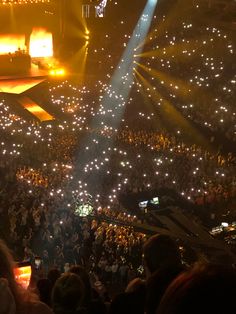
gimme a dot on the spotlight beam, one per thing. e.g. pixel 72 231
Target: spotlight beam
pixel 180 87
pixel 122 79
pixel 112 104
pixel 174 119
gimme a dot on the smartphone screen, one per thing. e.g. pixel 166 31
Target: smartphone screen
pixel 23 274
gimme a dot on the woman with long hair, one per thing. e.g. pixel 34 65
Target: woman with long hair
pixel 25 301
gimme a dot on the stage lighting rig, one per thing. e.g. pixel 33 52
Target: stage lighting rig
pixel 96 8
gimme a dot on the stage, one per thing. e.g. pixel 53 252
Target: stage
pixel 13 87
pixel 19 83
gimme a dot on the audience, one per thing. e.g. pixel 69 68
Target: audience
pixel 162 260
pixel 92 300
pixel 160 251
pixel 205 289
pixel 44 287
pixel 169 288
pixel 70 187
pixel 130 301
pixel 68 295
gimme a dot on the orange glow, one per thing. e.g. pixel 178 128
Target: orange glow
pixel 18 86
pixel 11 43
pixel 57 72
pixel 23 275
pixel 11 2
pixel 35 109
pixel 41 44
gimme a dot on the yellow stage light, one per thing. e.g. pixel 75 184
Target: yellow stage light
pixel 57 72
pixel 60 72
pixel 41 43
pixel 11 43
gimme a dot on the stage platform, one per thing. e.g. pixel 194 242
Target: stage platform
pixel 19 83
pixel 35 109
pixel 13 86
pixel 18 86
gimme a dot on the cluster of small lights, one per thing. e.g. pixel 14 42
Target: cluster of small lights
pixel 108 153
pixel 7 2
pixel 187 64
pixel 174 67
pixel 206 74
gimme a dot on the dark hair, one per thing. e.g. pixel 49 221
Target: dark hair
pixel 44 287
pixel 6 267
pixel 82 273
pixel 157 284
pixel 160 251
pixel 208 289
pixel 67 294
pixel 135 285
pixel 53 275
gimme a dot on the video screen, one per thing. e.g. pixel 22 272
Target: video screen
pixel 143 204
pixel 155 201
pixel 152 203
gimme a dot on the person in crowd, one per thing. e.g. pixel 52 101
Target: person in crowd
pixel 44 287
pixel 130 301
pixel 162 260
pixel 81 272
pixel 68 295
pixel 202 289
pixel 25 302
pixel 160 251
pixel 37 204
pixel 53 275
pixel 92 300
